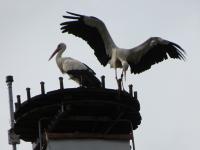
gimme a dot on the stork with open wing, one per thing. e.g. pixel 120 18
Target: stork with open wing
pixel 139 58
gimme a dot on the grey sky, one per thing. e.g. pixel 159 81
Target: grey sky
pixel 168 93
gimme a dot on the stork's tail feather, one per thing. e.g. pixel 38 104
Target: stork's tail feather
pixel 85 78
pixel 92 82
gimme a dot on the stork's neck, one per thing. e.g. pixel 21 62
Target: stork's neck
pixel 59 58
pixel 59 54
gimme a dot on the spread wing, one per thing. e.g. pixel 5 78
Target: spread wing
pixel 153 51
pixel 88 28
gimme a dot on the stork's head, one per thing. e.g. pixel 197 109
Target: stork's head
pixel 60 47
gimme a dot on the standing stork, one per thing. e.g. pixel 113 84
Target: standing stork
pixel 139 58
pixel 77 71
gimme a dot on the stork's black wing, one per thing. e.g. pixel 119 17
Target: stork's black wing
pixel 148 54
pixel 89 33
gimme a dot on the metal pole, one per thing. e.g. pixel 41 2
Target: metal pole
pixel 119 83
pixel 135 94
pixel 9 80
pixel 103 81
pixel 28 92
pixel 42 87
pixel 61 82
pixel 131 89
pixel 133 143
pixel 40 133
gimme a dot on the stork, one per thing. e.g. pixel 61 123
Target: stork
pixel 139 58
pixel 77 71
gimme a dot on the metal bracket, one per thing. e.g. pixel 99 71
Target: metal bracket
pixel 13 138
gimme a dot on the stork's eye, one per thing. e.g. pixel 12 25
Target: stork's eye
pixel 59 46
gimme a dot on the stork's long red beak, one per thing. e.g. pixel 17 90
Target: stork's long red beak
pixel 57 49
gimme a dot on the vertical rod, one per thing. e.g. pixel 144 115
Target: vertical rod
pixel 132 137
pixel 9 80
pixel 133 142
pixel 131 89
pixel 18 103
pixel 135 94
pixel 19 99
pixel 62 108
pixel 42 87
pixel 28 93
pixel 103 82
pixel 40 133
pixel 119 83
pixel 61 82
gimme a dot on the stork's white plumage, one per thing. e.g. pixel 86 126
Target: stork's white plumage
pixel 139 58
pixel 77 71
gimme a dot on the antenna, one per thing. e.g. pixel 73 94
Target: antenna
pixel 13 138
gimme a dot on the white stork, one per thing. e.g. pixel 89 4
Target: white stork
pixel 77 71
pixel 139 58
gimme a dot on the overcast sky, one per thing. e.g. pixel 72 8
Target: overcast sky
pixel 168 92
